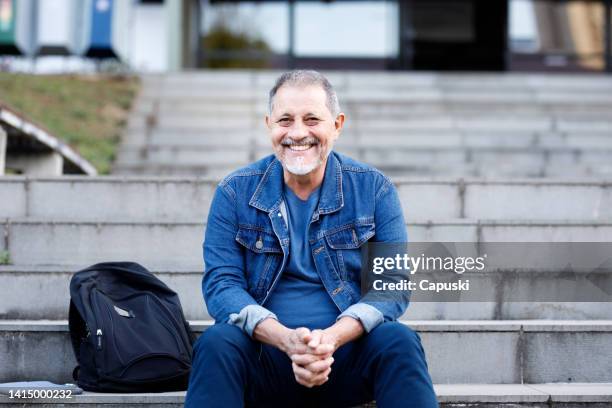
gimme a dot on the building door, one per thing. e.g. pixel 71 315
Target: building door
pixel 453 35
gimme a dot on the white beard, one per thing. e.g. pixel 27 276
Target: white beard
pixel 299 168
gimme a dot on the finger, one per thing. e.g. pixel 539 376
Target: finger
pixel 301 381
pixel 320 354
pixel 308 379
pixel 302 373
pixel 307 375
pixel 322 349
pixel 315 338
pixel 304 359
pixel 320 366
pixel 326 374
pixel 321 378
pixel 299 348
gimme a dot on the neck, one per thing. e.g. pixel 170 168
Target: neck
pixel 304 185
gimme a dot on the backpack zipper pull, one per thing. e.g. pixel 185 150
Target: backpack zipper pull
pixel 99 337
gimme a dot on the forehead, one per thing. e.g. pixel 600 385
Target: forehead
pixel 297 100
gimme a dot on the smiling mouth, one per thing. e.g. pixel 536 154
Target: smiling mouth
pixel 300 148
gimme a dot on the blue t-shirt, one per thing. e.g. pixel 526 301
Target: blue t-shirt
pixel 300 299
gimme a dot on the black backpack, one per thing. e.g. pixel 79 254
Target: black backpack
pixel 128 331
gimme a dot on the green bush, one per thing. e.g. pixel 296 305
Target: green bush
pixel 242 50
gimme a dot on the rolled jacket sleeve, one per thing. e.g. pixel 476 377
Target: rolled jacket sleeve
pixel 368 315
pixel 249 317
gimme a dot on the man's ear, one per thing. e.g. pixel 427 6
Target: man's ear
pixel 339 123
pixel 268 122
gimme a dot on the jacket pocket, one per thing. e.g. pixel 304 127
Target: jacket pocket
pixel 263 256
pixel 350 236
pixel 344 242
pixel 257 239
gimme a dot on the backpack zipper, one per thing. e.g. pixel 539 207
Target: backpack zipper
pixel 99 339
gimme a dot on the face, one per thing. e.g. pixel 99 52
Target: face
pixel 302 128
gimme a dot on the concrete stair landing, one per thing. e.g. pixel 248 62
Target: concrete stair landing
pixel 449 396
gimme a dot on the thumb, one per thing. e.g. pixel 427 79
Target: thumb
pixel 303 334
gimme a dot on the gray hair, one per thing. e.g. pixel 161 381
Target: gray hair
pixel 301 77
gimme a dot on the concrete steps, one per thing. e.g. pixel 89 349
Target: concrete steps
pixel 449 395
pixel 180 111
pixel 521 162
pixel 399 86
pixel 144 169
pixel 178 244
pixel 481 354
pixel 517 352
pixel 191 120
pixel 551 99
pixel 510 170
pixel 246 139
pixel 42 292
pixel 188 199
pixel 63 223
pixel 256 108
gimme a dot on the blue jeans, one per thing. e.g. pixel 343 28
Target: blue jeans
pixel 232 370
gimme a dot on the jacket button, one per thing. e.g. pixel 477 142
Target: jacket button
pixel 337 290
pixel 259 244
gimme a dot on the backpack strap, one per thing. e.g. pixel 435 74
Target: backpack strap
pixel 78 329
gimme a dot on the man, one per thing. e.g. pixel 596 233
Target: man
pixel 282 279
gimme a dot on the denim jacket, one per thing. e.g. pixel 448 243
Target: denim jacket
pixel 246 244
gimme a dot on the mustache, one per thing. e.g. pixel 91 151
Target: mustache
pixel 310 140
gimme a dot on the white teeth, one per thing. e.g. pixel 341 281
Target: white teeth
pixel 300 148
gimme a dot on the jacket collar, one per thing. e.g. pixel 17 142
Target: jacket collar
pixel 269 192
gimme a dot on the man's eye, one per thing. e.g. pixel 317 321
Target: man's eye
pixel 283 121
pixel 312 121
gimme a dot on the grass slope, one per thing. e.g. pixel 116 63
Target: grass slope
pixel 87 112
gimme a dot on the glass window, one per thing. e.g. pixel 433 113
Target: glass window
pixel 566 35
pixel 245 34
pixel 337 29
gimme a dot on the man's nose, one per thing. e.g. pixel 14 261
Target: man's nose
pixel 298 130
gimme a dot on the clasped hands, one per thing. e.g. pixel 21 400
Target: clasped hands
pixel 311 355
pixel 310 351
